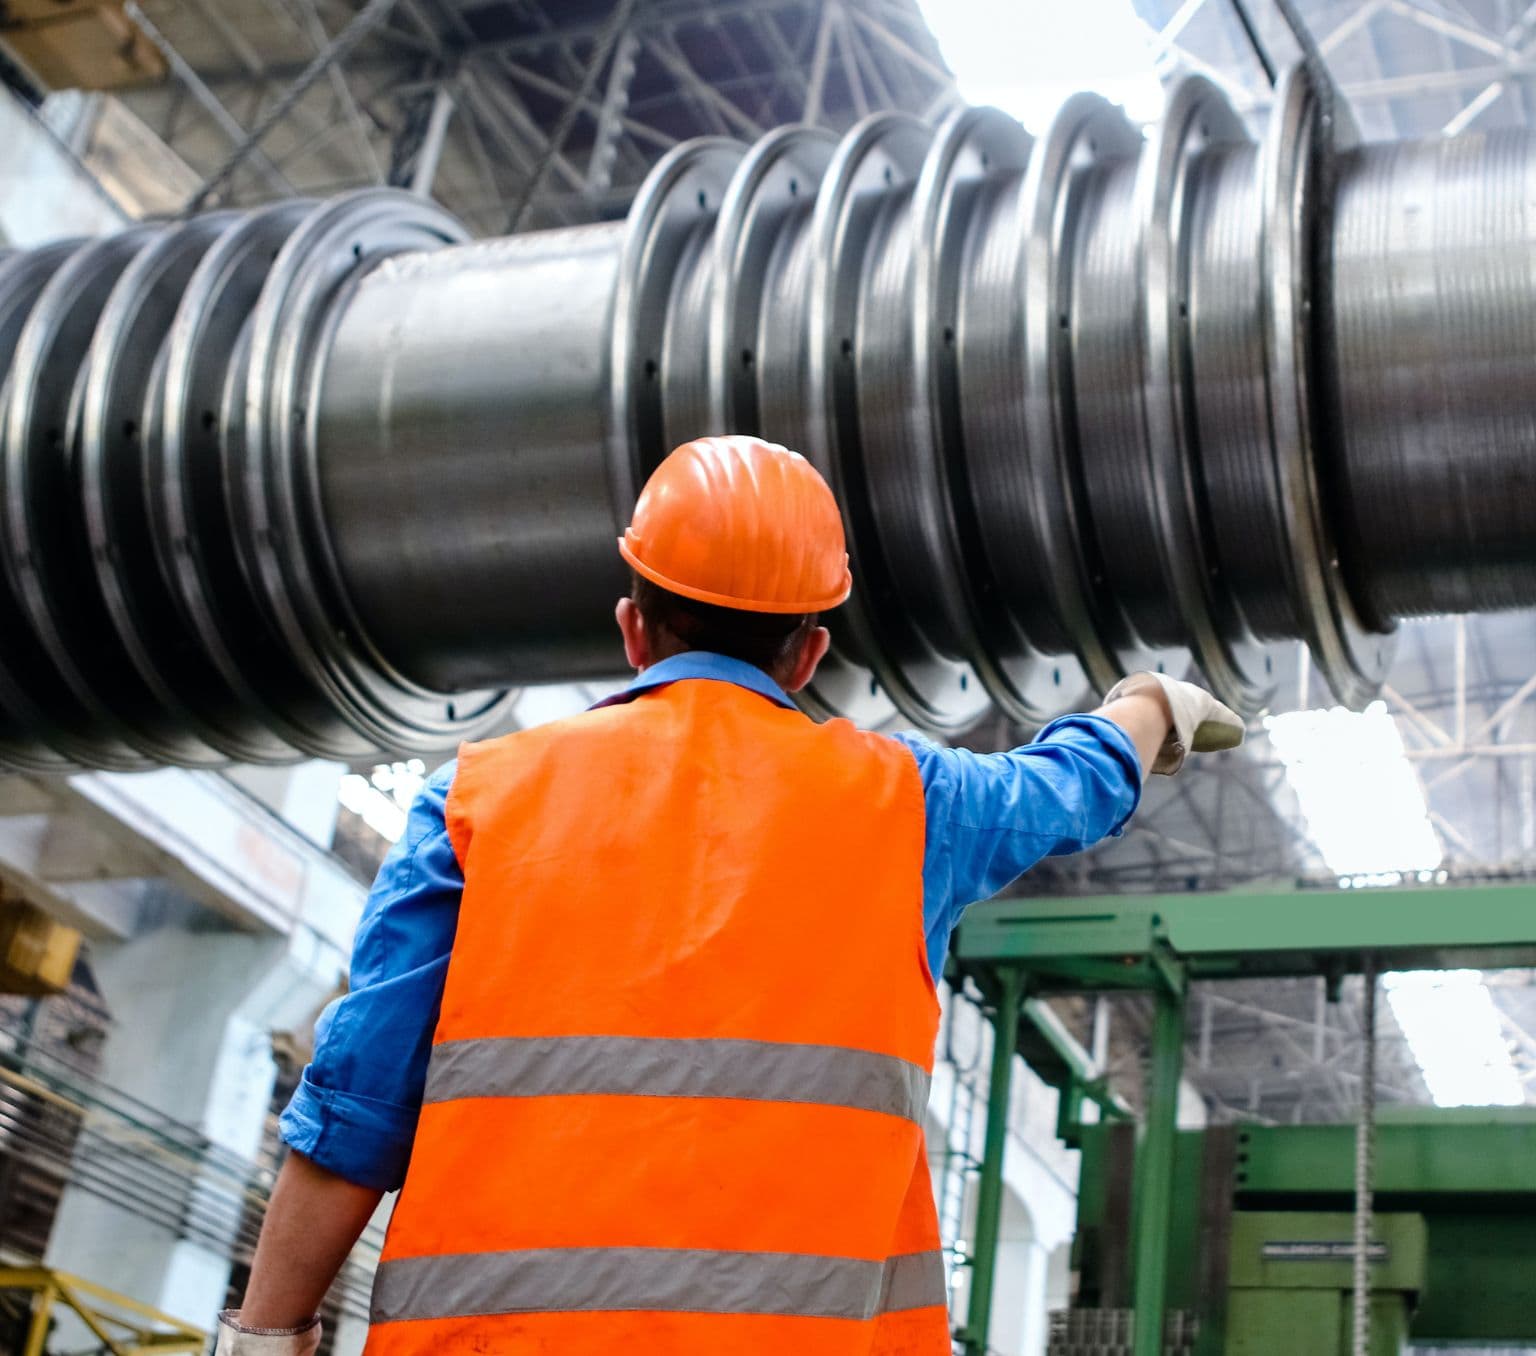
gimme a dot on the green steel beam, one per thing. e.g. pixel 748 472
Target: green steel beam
pixel 1054 1055
pixel 1424 1153
pixel 989 1190
pixel 1152 1187
pixel 1103 942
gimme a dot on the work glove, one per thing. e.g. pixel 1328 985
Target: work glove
pixel 1201 724
pixel 237 1341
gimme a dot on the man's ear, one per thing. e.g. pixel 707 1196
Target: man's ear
pixel 812 652
pixel 637 640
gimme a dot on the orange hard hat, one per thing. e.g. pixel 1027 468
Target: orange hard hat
pixel 741 523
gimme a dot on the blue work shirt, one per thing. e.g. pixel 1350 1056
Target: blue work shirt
pixel 990 817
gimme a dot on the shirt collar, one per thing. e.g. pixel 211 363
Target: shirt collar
pixel 700 664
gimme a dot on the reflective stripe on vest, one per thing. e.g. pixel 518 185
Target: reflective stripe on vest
pixel 545 1280
pixel 763 1071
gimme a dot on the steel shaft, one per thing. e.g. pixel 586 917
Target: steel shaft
pixel 325 479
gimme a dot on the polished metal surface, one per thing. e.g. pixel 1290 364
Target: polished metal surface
pixel 469 387
pixel 327 478
pixel 1433 264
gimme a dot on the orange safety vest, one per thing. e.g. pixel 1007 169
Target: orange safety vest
pixel 676 1092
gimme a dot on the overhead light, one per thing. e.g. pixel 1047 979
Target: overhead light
pixel 383 797
pixel 1364 806
pixel 1027 59
pixel 1452 1027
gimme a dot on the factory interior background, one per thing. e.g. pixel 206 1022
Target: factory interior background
pixel 1187 998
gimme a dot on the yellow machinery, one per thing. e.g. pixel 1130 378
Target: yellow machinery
pixel 123 1326
pixel 79 44
pixel 37 953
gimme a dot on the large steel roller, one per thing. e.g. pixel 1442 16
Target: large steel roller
pixel 323 479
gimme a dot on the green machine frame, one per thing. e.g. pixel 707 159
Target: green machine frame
pixel 1020 950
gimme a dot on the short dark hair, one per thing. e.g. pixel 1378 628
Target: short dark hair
pixel 770 640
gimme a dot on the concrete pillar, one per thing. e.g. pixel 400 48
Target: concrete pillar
pixel 1058 1277
pixel 1037 1306
pixel 192 1017
pixel 1018 1308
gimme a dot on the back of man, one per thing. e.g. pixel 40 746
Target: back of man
pixel 703 1067
pixel 642 1011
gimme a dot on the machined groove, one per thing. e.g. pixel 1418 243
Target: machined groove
pixel 324 479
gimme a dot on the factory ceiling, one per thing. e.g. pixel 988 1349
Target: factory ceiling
pixel 551 113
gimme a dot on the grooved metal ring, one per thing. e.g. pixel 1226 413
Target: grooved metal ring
pixel 782 170
pixel 992 401
pixel 274 705
pixel 972 146
pixel 683 191
pixel 284 542
pixel 32 737
pixel 120 401
pixel 1241 671
pixel 41 531
pixel 884 154
pixel 1353 658
pixel 1086 131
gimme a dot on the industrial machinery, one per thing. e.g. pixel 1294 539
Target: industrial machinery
pixel 1260 1234
pixel 119 1325
pixel 326 479
pixel 1242 1240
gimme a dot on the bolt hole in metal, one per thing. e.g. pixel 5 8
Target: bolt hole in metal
pixel 1411 343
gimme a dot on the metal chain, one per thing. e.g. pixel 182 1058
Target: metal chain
pixel 1365 1155
pixel 603 46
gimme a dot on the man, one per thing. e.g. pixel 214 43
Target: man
pixel 643 1006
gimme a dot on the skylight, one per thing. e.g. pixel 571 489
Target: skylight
pixel 1026 58
pixel 1453 1031
pixel 1363 803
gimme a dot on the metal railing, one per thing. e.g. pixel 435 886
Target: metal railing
pixel 63 1127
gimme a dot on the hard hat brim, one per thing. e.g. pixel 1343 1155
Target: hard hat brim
pixel 791 607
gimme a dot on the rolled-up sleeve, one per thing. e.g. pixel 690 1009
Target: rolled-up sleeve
pixel 355 1110
pixel 992 816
